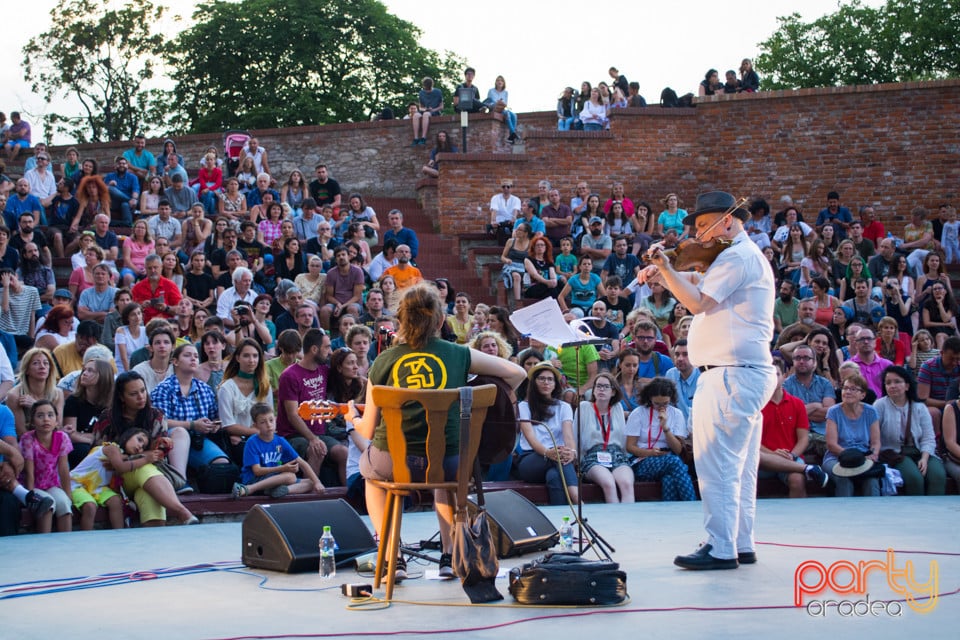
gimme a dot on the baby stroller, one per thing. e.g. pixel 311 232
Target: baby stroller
pixel 233 142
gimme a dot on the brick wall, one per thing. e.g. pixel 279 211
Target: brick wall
pixel 374 158
pixel 893 146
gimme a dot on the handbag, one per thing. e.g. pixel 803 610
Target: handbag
pixel 474 551
pixel 170 473
pixel 568 579
pixel 217 478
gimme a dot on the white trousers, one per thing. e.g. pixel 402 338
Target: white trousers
pixel 726 448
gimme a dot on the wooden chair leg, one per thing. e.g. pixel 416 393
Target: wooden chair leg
pixel 382 548
pixel 395 522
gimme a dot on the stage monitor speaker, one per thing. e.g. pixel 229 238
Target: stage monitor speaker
pixel 286 537
pixel 517 524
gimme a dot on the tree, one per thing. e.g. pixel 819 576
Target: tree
pixel 281 63
pixel 904 40
pixel 104 58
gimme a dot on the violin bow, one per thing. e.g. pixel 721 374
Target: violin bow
pixel 736 205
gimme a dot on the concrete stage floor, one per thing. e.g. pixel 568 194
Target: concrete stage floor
pixel 753 601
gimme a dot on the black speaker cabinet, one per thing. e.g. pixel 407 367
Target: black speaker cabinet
pixel 517 524
pixel 286 537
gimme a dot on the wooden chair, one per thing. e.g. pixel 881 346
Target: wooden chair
pixel 436 403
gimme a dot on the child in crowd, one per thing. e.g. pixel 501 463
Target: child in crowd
pixel 950 237
pixel 270 464
pixel 481 313
pixel 11 464
pixel 617 307
pixel 93 481
pixel 45 468
pixel 565 262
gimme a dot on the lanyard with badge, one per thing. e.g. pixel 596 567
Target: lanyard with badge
pixel 604 457
pixel 654 441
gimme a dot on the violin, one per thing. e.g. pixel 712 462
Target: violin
pixel 693 255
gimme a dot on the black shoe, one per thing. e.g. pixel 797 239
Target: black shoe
pixel 747 557
pixel 401 573
pixel 446 566
pixel 38 505
pixel 701 560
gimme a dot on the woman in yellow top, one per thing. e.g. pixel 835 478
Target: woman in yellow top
pixel 461 320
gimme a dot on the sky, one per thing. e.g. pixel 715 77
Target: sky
pixel 538 47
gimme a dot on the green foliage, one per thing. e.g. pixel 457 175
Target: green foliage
pixel 902 41
pixel 281 63
pixel 104 58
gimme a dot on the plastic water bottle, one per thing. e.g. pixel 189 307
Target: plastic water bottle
pixel 328 554
pixel 566 535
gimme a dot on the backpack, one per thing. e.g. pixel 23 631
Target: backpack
pixel 668 98
pixel 686 100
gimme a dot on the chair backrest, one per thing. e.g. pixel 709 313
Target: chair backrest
pixel 436 404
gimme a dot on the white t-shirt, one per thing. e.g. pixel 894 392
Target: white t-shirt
pixel 562 412
pixel 644 423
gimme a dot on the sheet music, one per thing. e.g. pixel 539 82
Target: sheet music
pixel 544 322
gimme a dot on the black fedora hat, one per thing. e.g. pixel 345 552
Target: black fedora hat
pixel 714 201
pixel 852 463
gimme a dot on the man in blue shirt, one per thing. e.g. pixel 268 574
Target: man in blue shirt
pixel 620 262
pixel 401 234
pixel 124 192
pixel 815 391
pixel 684 375
pixel 834 214
pixel 22 201
pixel 652 363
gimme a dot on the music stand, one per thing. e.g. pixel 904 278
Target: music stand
pixel 544 322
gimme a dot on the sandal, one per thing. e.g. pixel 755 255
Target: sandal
pixel 239 490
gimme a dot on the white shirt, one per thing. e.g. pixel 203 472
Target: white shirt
pixel 507 208
pixel 780 235
pixel 43 185
pixel 645 425
pixel 234 406
pixel 562 412
pixel 738 330
pixel 229 297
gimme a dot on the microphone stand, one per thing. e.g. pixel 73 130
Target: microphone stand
pixel 595 539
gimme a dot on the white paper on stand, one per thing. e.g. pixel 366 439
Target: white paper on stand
pixel 544 322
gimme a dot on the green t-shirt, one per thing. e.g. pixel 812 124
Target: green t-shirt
pixel 568 362
pixel 439 365
pixel 275 367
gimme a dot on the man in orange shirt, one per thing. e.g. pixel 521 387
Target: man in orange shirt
pixel 404 274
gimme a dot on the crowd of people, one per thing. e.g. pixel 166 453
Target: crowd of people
pixel 171 361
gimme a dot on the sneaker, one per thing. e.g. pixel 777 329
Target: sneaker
pixel 185 490
pixel 415 142
pixel 278 492
pixel 38 504
pixel 422 141
pixel 512 137
pixel 446 566
pixel 816 473
pixel 238 491
pixel 401 573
